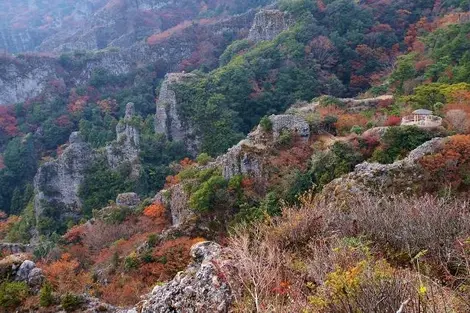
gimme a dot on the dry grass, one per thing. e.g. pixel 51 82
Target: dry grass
pixel 317 258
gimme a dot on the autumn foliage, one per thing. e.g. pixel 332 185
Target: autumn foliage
pixel 155 210
pixel 451 166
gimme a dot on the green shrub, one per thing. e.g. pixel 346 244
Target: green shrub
pixel 12 294
pixel 356 130
pixel 152 240
pixel 45 295
pixel 203 158
pixel 285 138
pixel 71 302
pixel 208 194
pixel 131 262
pixel 266 124
pixel 399 141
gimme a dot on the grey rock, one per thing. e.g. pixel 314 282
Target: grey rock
pixel 167 120
pixel 35 278
pixel 126 147
pixel 268 24
pixel 130 199
pixel 24 270
pixel 57 182
pixel 401 176
pixel 200 288
pixel 295 124
pixel 175 199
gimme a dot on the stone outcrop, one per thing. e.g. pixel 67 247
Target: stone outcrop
pixel 167 119
pixel 268 24
pixel 175 200
pixel 404 176
pixel 57 182
pixel 129 199
pixel 125 150
pixel 246 158
pixel 294 124
pixel 200 288
pixel 30 274
pixel 23 78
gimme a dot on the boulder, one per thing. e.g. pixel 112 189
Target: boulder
pixel 130 199
pixel 200 288
pixel 10 265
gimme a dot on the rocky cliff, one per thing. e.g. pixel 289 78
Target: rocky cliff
pixel 125 150
pixel 403 176
pixel 202 287
pixel 268 24
pixel 28 76
pixel 57 183
pixel 167 119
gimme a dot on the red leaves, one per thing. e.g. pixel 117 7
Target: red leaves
pixel 393 121
pixel 8 123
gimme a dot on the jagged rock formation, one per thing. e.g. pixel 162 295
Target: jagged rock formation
pixel 125 150
pixel 129 199
pixel 175 200
pixel 57 182
pixel 167 120
pixel 29 273
pixel 268 24
pixel 22 78
pixel 200 288
pixel 404 176
pixel 294 124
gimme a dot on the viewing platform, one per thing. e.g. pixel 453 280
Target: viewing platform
pixel 422 118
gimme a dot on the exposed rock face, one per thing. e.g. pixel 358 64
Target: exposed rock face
pixel 268 24
pixel 57 183
pixel 129 199
pixel 246 158
pixel 34 73
pixel 292 123
pixel 23 78
pixel 167 120
pixel 406 175
pixel 9 265
pixel 126 148
pixel 200 288
pixel 30 274
pixel 175 200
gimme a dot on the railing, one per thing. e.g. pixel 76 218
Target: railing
pixel 422 120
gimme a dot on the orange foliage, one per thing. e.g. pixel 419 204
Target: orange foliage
pixel 108 105
pixel 124 290
pixel 157 38
pixel 7 223
pixel 347 121
pixel 329 110
pixel 451 166
pixel 65 275
pixel 155 210
pixel 186 162
pixel 171 181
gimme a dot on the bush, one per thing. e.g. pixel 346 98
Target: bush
pixel 266 124
pixel 45 295
pixel 71 302
pixel 203 159
pixel 12 294
pixel 285 138
pixel 399 141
